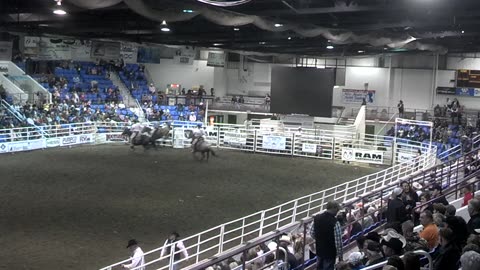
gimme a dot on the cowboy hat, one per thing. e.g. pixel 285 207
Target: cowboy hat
pixel 132 242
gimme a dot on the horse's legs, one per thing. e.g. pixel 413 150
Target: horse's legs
pixel 208 155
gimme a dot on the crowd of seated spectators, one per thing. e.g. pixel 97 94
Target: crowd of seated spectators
pixel 449 239
pixel 444 135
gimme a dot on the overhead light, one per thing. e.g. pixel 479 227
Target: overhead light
pixel 58 8
pixel 236 29
pixel 187 11
pixel 278 25
pixel 217 44
pixel 360 51
pixel 336 86
pixel 164 27
pixel 59 11
pixel 385 48
pixel 289 38
pixel 262 42
pixel 463 32
pixel 330 47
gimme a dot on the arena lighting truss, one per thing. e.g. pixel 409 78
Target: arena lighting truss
pixel 224 3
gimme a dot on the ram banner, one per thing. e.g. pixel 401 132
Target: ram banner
pixel 362 155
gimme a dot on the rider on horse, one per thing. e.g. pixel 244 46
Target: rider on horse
pixel 136 129
pixel 198 134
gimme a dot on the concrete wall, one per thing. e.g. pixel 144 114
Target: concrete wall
pixel 409 78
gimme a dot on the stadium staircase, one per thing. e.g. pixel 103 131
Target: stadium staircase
pixel 129 100
pixel 20 117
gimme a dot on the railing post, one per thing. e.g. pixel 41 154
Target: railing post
pixel 254 142
pixel 172 254
pixel 198 248
pixel 222 234
pixel 292 149
pixel 294 211
pixel 262 221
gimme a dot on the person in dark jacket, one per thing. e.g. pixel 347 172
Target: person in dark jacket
pixel 396 213
pixel 449 255
pixel 474 212
pixel 328 237
pixel 409 196
pixel 437 195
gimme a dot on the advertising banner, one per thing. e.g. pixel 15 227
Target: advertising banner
pixel 446 90
pixel 53 142
pixel 185 55
pixel 128 52
pixel 216 59
pixel 6 50
pixel 357 96
pixel 3 147
pixel 469 92
pixel 362 155
pixel 403 157
pixel 148 55
pixel 105 50
pixel 115 138
pixel 37 144
pixel 309 148
pixel 18 146
pixel 81 50
pixel 31 42
pixel 274 142
pixel 235 139
pixel 76 139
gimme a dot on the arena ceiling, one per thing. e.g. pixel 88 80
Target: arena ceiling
pixel 302 27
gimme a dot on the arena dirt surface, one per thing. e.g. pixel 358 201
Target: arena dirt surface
pixel 77 208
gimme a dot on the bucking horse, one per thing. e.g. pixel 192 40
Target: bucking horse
pixel 204 148
pixel 145 140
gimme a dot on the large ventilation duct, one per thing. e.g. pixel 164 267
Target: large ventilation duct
pixel 94 4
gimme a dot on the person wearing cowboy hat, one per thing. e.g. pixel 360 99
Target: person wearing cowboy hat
pixel 396 212
pixel 392 243
pixel 178 249
pixel 137 256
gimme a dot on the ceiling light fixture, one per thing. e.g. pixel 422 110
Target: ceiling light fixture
pixel 262 42
pixel 278 25
pixel 360 51
pixel 224 3
pixel 164 27
pixel 289 38
pixel 236 29
pixel 330 47
pixel 463 32
pixel 217 44
pixel 187 11
pixel 58 8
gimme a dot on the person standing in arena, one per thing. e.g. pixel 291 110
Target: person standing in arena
pixel 328 237
pixel 178 249
pixel 401 108
pixel 137 256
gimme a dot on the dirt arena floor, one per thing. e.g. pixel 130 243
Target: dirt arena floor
pixel 77 208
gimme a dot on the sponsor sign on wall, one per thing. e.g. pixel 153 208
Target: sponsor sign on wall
pixel 53 142
pixel 6 50
pixel 76 139
pixel 128 52
pixel 274 142
pixel 37 144
pixel 237 139
pixel 309 148
pixel 216 59
pixel 362 155
pixel 3 147
pixel 403 157
pixel 115 138
pixel 18 146
pixel 105 50
pixel 357 96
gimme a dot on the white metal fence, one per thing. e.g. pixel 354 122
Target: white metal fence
pixel 223 237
